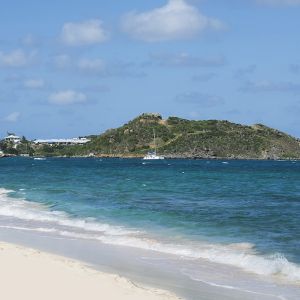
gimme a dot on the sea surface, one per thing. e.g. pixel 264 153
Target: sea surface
pixel 239 215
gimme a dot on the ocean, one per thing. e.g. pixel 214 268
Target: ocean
pixel 204 219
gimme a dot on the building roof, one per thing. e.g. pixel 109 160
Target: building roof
pixel 63 141
pixel 11 136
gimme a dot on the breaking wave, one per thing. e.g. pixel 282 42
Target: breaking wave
pixel 38 217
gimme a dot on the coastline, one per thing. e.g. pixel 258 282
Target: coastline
pixel 40 275
pixel 167 157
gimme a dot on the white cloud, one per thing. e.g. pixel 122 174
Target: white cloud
pixel 34 83
pixel 175 20
pixel 29 40
pixel 67 97
pixel 295 68
pixel 13 117
pixel 280 2
pixel 97 66
pixel 91 65
pixel 270 86
pixel 196 98
pixel 204 77
pixel 62 61
pixel 85 33
pixel 244 71
pixel 186 60
pixel 16 58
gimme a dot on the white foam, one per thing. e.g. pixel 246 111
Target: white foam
pixel 30 211
pixel 240 255
pixel 5 192
pixel 275 265
pixel 230 287
pixel 39 229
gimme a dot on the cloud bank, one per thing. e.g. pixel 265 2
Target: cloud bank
pixel 175 20
pixel 34 83
pixel 85 33
pixel 197 98
pixel 270 86
pixel 15 58
pixel 96 65
pixel 67 97
pixel 280 2
pixel 13 117
pixel 186 60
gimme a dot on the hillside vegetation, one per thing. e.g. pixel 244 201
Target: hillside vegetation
pixel 183 138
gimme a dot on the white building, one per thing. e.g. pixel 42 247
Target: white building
pixel 13 139
pixel 74 141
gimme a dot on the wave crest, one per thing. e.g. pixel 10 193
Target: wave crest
pixel 241 255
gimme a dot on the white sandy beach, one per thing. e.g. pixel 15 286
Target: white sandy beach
pixel 30 274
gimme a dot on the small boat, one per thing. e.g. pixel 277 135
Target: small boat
pixel 153 154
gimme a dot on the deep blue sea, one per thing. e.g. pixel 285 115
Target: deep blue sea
pixel 239 213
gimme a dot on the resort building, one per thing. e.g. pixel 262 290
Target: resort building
pixel 12 138
pixel 51 142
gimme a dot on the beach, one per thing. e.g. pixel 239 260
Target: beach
pixel 26 273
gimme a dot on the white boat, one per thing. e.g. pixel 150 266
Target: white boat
pixel 153 155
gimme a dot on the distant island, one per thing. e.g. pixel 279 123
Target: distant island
pixel 175 138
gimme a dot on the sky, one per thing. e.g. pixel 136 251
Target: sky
pixel 72 68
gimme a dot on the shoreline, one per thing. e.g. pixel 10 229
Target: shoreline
pixel 107 156
pixel 151 271
pixel 36 273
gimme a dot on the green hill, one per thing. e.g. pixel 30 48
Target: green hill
pixel 181 138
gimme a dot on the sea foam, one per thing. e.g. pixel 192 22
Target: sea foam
pixel 241 255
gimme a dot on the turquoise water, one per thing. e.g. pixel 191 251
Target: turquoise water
pixel 240 213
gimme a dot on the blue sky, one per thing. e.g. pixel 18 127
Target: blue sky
pixel 70 68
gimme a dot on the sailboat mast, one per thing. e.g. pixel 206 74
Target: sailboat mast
pixel 154 141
